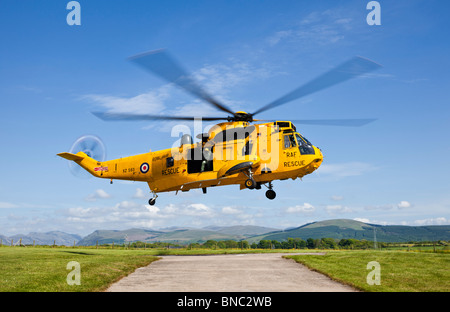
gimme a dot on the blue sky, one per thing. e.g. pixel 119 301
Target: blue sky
pixel 246 53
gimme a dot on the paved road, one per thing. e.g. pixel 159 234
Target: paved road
pixel 227 273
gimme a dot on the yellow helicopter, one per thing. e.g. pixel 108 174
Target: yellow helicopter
pixel 240 150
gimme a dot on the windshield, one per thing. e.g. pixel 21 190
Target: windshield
pixel 304 145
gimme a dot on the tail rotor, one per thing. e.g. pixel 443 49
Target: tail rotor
pixel 92 146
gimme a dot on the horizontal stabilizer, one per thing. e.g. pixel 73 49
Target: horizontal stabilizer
pixel 71 156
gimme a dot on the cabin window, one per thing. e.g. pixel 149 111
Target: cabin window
pixel 200 160
pixel 169 162
pixel 289 141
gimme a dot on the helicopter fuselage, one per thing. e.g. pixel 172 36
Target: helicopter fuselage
pixel 231 153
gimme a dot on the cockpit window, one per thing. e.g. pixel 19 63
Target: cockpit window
pixel 304 145
pixel 303 138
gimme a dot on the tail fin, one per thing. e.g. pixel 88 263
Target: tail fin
pixel 82 159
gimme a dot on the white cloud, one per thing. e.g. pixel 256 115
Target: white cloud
pixel 279 35
pixel 364 220
pixel 98 194
pixel 140 194
pixel 403 204
pixel 305 208
pixel 197 210
pixel 337 209
pixel 152 209
pixel 151 102
pixel 102 194
pixel 230 210
pixel 349 169
pixel 170 209
pixel 337 197
pixel 125 214
pixel 323 28
pixel 432 221
pixel 80 212
pixel 219 78
pixel 7 205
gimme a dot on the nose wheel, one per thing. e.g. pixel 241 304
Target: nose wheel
pixel 270 193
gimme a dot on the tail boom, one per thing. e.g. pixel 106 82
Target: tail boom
pixel 135 168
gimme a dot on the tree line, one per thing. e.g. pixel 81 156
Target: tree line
pixel 310 243
pixel 290 243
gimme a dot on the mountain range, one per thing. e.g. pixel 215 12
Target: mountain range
pixel 336 228
pixel 48 238
pixel 345 228
pixel 175 235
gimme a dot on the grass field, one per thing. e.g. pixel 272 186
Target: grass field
pixel 45 269
pixel 399 271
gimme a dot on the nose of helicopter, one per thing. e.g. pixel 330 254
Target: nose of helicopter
pixel 319 158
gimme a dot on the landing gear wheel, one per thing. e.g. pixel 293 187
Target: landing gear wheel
pixel 270 194
pixel 250 184
pixel 152 200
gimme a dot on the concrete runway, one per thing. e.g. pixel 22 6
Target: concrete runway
pixel 227 273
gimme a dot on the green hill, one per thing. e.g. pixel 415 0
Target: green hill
pixel 118 237
pixel 242 230
pixel 177 235
pixel 344 228
pixel 187 236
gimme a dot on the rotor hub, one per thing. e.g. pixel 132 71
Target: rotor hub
pixel 241 116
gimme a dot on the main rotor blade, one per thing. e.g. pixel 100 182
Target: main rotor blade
pixel 334 122
pixel 352 68
pixel 133 117
pixel 163 65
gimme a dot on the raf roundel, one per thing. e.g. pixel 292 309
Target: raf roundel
pixel 144 168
